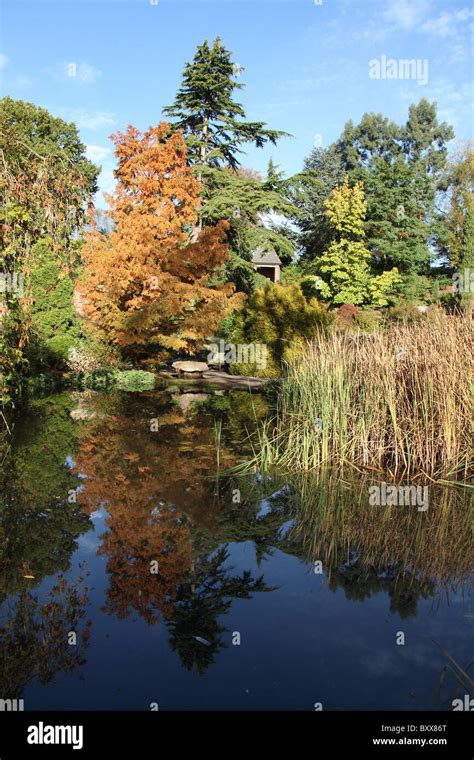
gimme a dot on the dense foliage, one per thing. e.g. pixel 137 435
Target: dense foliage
pixel 345 265
pixel 281 319
pixel 145 286
pixel 215 131
pixel 383 217
pixel 46 186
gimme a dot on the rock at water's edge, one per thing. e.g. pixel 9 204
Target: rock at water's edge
pixel 188 366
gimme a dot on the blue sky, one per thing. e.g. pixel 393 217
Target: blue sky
pixel 306 63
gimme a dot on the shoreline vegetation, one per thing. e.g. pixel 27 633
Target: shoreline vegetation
pixel 397 401
pixel 347 287
pixel 236 365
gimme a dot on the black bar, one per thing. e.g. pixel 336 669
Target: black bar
pixel 446 734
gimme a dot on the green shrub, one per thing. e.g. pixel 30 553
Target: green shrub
pixel 44 383
pixel 404 312
pixel 311 286
pixel 280 318
pixel 54 325
pixel 291 274
pixel 421 288
pixel 97 379
pixel 368 321
pixel 134 380
pixel 451 303
pixel 59 347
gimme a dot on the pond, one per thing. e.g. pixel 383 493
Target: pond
pixel 138 572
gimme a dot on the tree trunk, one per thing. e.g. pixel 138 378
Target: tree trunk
pixel 202 156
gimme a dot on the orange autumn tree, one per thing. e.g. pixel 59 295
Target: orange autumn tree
pixel 147 286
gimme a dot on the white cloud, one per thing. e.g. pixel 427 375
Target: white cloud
pixel 413 16
pixel 97 153
pixel 88 73
pixel 107 183
pixel 398 15
pixel 85 120
pixel 459 53
pixel 405 14
pixel 447 24
pixel 453 101
pixel 3 60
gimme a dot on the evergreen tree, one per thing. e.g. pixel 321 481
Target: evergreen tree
pixel 274 179
pixel 459 189
pixel 402 169
pixel 323 170
pixel 215 130
pixel 249 203
pixel 212 122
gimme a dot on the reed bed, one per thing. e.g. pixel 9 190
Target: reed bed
pixel 398 400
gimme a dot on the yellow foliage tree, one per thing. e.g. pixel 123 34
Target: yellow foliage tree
pixel 345 265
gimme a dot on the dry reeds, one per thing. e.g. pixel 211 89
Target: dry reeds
pixel 398 400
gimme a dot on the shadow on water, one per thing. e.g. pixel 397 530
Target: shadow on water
pixel 183 551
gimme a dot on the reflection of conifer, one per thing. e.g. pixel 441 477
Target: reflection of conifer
pixel 208 593
pixel 242 522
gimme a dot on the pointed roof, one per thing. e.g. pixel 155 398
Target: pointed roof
pixel 262 257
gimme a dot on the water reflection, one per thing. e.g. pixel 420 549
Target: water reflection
pixel 163 542
pixel 153 465
pixel 367 549
pixel 39 639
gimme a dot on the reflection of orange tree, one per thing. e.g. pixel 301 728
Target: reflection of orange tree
pixel 180 457
pixel 147 483
pixel 163 505
pixel 34 640
pixel 143 530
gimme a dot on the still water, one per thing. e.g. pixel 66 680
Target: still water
pixel 135 572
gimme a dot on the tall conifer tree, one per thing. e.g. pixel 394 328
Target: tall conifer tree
pixel 212 122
